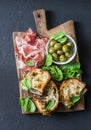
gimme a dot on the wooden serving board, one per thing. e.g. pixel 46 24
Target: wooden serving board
pixel 68 28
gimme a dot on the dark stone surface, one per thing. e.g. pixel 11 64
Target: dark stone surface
pixel 16 15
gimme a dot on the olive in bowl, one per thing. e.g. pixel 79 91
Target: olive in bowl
pixel 63 51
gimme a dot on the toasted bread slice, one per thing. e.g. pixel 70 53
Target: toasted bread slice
pixel 71 91
pixel 48 102
pixel 39 79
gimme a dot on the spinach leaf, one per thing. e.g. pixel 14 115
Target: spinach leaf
pixel 73 100
pixel 54 70
pixel 60 37
pixel 71 70
pixel 56 73
pixel 26 84
pixel 49 60
pixel 27 104
pixel 30 63
pixel 50 104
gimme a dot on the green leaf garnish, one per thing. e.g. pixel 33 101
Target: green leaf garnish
pixel 62 40
pixel 75 99
pixel 27 105
pixel 54 70
pixel 26 84
pixel 30 63
pixel 71 70
pixel 56 73
pixel 60 37
pixel 49 60
pixel 50 104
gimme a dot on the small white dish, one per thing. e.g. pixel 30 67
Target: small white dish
pixel 70 39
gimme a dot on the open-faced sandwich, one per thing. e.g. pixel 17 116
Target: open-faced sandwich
pixel 71 91
pixel 35 81
pixel 48 102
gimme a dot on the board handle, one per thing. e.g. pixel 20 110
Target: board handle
pixel 40 20
pixel 41 25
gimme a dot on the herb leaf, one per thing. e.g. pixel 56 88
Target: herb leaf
pixel 63 39
pixel 75 99
pixel 49 60
pixel 27 104
pixel 30 63
pixel 60 37
pixel 50 104
pixel 26 84
pixel 54 70
pixel 56 73
pixel 71 70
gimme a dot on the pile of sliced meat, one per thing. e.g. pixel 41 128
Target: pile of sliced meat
pixel 30 47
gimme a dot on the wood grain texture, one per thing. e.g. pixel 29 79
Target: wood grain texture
pixel 68 28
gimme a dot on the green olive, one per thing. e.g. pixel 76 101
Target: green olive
pixel 68 54
pixel 70 44
pixel 51 50
pixel 60 52
pixel 57 46
pixel 63 58
pixel 52 43
pixel 65 48
pixel 55 56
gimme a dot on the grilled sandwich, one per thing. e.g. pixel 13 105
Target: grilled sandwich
pixel 48 102
pixel 71 91
pixel 35 81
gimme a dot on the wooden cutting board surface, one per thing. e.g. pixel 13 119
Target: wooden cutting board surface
pixel 68 28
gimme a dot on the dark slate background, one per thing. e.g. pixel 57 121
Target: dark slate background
pixel 16 15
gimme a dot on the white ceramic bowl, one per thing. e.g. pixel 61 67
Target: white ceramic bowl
pixel 70 39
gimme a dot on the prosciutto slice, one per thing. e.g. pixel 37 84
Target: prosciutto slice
pixel 30 47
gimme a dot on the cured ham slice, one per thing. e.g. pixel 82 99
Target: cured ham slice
pixel 30 47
